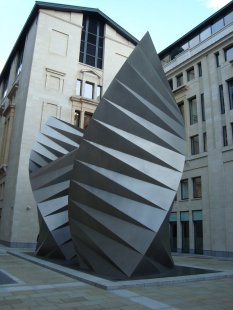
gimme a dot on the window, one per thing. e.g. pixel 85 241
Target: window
pixel 205 34
pixel 204 142
pixel 197 193
pixel 190 74
pixel 228 18
pixel 181 107
pixel 199 69
pixel 170 83
pixel 77 118
pixel 19 61
pixel 230 91
pixel 179 80
pixel 224 135
pixel 91 49
pixel 221 97
pixel 217 25
pixel 228 53
pixel 87 118
pixel 194 145
pixel 79 88
pixel 203 107
pixel 98 92
pixel 193 110
pixel 217 59
pixel 184 189
pixel 5 87
pixel 89 90
pixel 194 41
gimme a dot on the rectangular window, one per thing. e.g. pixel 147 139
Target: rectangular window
pixel 217 59
pixel 194 144
pixel 91 49
pixel 199 69
pixel 170 83
pixel 203 107
pixel 88 90
pixel 221 97
pixel 98 92
pixel 181 107
pixel 197 192
pixel 205 34
pixel 224 135
pixel 230 91
pixel 204 142
pixel 77 118
pixel 228 18
pixel 19 61
pixel 5 87
pixel 184 189
pixel 229 53
pixel 79 88
pixel 190 74
pixel 87 118
pixel 179 80
pixel 193 110
pixel 194 41
pixel 217 25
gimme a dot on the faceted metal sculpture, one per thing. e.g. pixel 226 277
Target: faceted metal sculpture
pixel 51 164
pixel 126 173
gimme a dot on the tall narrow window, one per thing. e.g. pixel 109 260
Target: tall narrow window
pixel 19 61
pixel 98 92
pixel 197 192
pixel 194 144
pixel 78 87
pixel 203 107
pixel 181 107
pixel 224 135
pixel 91 50
pixel 229 53
pixel 217 59
pixel 190 74
pixel 77 118
pixel 87 118
pixel 199 69
pixel 5 86
pixel 89 90
pixel 204 142
pixel 184 189
pixel 221 97
pixel 170 83
pixel 230 91
pixel 193 110
pixel 179 80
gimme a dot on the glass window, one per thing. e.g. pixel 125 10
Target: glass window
pixel 77 118
pixel 228 18
pixel 170 83
pixel 91 48
pixel 184 189
pixel 230 91
pixel 78 87
pixel 181 107
pixel 193 42
pixel 197 193
pixel 204 142
pixel 185 46
pixel 224 135
pixel 87 118
pixel 217 59
pixel 179 80
pixel 199 69
pixel 194 145
pixel 19 61
pixel 205 34
pixel 221 98
pixel 193 110
pixel 229 53
pixel 88 90
pixel 5 87
pixel 203 107
pixel 98 92
pixel 217 25
pixel 190 74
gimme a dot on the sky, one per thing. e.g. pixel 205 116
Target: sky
pixel 166 20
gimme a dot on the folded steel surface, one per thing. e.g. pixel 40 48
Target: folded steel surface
pixel 125 177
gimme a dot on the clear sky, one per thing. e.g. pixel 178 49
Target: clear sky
pixel 166 20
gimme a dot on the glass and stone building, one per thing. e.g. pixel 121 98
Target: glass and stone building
pixel 199 68
pixel 63 61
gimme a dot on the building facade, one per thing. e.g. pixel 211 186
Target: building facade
pixel 63 60
pixel 199 68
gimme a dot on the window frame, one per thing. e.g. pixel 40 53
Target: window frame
pixel 182 192
pixel 193 118
pixel 195 145
pixel 224 135
pixel 179 80
pixel 190 74
pixel 230 93
pixel 195 191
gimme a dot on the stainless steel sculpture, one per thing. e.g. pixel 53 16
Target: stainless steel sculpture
pixel 127 171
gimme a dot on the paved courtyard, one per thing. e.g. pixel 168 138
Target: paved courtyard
pixel 38 287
